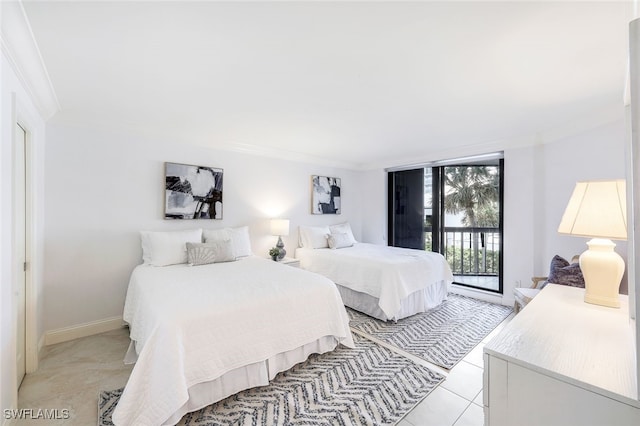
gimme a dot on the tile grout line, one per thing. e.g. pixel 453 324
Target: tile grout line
pixel 462 396
pixel 462 414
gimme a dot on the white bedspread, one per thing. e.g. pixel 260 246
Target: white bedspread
pixel 387 273
pixel 192 324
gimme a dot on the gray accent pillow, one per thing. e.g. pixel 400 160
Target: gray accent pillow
pixel 207 253
pixel 200 254
pixel 565 273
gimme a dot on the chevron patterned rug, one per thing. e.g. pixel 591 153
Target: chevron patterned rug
pixel 368 385
pixel 442 335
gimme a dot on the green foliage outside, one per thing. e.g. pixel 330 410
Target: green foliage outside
pixel 473 191
pixel 469 262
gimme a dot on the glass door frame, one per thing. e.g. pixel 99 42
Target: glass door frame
pixel 440 196
pixel 437 229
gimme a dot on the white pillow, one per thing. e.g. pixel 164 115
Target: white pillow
pixel 343 228
pixel 339 240
pixel 314 236
pixel 241 241
pixel 213 235
pixel 167 248
pixel 238 236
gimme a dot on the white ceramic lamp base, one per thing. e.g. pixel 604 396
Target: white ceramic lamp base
pixel 602 269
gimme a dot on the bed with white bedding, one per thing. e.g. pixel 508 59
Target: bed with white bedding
pixel 388 283
pixel 202 333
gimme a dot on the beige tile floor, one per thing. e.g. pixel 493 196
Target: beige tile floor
pixel 458 400
pixel 71 375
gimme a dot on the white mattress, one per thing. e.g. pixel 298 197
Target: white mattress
pixel 193 325
pixel 388 274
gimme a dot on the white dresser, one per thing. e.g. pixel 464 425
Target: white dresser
pixel 563 362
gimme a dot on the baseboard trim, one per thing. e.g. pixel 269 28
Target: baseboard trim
pixel 33 365
pixel 40 345
pixel 82 330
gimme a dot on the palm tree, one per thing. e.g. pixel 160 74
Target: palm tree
pixel 472 190
pixel 486 217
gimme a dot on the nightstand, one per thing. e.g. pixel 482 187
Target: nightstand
pixel 290 261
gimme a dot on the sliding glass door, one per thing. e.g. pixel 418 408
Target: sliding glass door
pixel 455 210
pixel 471 225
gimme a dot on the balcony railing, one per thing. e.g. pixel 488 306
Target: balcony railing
pixel 470 251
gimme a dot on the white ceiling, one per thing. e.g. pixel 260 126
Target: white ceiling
pixel 359 83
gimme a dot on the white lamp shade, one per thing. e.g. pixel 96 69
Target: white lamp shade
pixel 597 209
pixel 280 227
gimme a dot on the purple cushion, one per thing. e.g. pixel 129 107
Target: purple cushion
pixel 565 273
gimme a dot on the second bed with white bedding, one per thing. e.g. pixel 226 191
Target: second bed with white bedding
pixel 388 283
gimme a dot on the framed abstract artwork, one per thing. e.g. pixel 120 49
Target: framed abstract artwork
pixel 325 195
pixel 192 192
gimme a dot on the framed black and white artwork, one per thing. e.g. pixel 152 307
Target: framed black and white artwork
pixel 192 192
pixel 325 195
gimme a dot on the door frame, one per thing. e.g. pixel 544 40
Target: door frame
pixel 20 249
pixel 441 195
pixel 23 118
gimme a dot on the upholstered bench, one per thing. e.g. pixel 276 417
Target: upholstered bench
pixel 560 272
pixel 524 295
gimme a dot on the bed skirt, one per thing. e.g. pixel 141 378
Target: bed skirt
pixel 234 381
pixel 419 301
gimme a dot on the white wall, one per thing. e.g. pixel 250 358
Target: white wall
pixel 103 186
pixel 593 155
pixel 374 187
pixel 520 214
pixel 539 181
pixel 17 105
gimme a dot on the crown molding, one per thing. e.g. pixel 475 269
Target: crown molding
pixel 21 50
pixel 594 119
pixel 281 154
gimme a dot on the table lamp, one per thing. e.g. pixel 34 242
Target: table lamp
pixel 598 209
pixel 280 227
